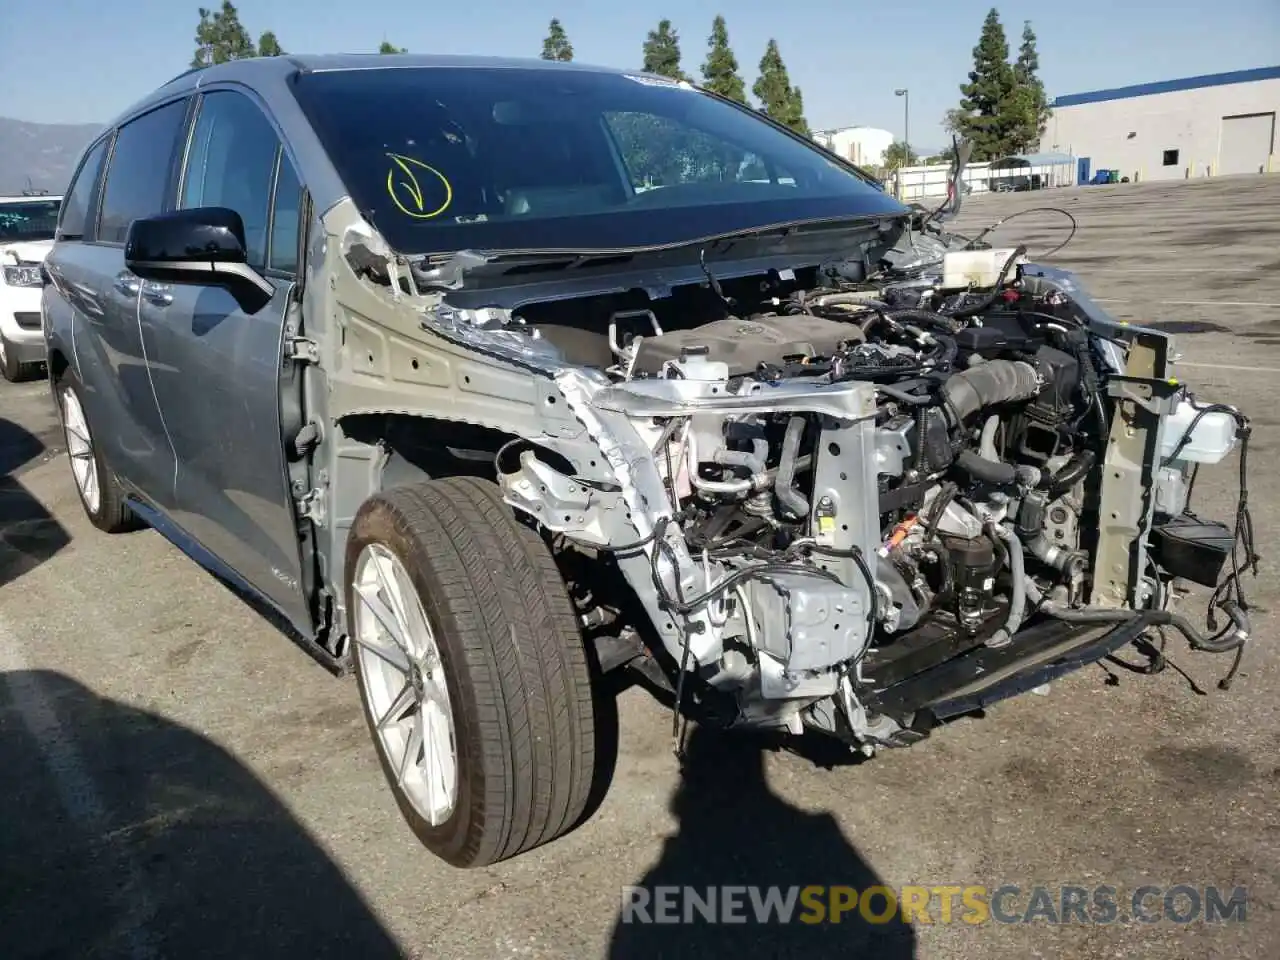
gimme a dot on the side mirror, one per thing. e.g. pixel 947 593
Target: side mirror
pixel 202 246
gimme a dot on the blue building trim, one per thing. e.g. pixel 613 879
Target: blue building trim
pixel 1170 86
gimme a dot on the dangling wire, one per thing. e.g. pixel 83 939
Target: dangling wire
pixel 1244 558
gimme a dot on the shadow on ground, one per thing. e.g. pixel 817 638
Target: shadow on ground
pixel 734 831
pixel 29 534
pixel 123 834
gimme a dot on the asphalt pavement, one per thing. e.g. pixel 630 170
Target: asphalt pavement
pixel 181 781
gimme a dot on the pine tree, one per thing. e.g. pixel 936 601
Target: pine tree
pixel 1031 105
pixel 986 97
pixel 662 52
pixel 720 69
pixel 388 47
pixel 778 99
pixel 221 37
pixel 556 46
pixel 798 122
pixel 1028 65
pixel 269 46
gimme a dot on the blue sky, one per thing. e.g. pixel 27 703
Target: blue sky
pixel 846 55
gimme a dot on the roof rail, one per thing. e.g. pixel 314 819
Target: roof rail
pixel 185 73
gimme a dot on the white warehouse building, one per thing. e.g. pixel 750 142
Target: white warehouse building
pixel 1199 126
pixel 864 146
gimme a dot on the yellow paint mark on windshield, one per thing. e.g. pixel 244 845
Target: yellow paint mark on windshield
pixel 407 192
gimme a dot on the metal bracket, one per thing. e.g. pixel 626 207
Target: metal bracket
pixel 1157 397
pixel 301 350
pixel 311 505
pixel 1128 474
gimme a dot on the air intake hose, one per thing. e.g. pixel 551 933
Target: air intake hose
pixel 986 385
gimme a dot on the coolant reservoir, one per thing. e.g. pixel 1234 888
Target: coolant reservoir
pixel 1213 439
pixel 966 269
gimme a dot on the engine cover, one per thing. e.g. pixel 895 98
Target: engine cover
pixel 745 344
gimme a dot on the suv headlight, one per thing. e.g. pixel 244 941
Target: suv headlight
pixel 27 275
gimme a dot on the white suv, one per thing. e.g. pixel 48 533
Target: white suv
pixel 26 235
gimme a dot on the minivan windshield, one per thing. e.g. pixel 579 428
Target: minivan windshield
pixel 23 220
pixel 444 158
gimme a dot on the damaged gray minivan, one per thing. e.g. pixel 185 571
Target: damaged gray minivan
pixel 487 378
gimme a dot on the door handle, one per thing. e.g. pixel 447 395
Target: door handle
pixel 127 284
pixel 158 295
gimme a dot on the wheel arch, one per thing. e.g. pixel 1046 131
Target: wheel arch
pixel 58 363
pixel 411 448
pixel 376 451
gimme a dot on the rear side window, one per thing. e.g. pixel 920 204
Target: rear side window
pixel 75 208
pixel 139 170
pixel 231 163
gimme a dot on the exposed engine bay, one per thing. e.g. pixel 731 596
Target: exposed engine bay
pixel 864 494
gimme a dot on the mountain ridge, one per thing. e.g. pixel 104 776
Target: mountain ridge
pixel 41 156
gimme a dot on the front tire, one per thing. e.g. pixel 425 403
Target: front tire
pixel 100 493
pixel 471 670
pixel 10 368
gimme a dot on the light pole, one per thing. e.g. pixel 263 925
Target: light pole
pixel 906 123
pixel 906 136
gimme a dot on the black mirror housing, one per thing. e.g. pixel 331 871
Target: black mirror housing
pixel 200 235
pixel 204 246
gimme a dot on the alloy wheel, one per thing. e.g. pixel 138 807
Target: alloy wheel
pixel 404 683
pixel 84 465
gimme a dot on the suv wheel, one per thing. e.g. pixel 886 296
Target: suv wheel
pixel 471 669
pixel 10 368
pixel 99 491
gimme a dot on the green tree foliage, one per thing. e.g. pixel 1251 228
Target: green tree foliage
pixel 985 99
pixel 220 37
pixel 556 46
pixel 1027 67
pixel 720 69
pixel 1030 104
pixel 388 47
pixel 269 46
pixel 662 52
pixel 899 155
pixel 778 98
pixel 1004 108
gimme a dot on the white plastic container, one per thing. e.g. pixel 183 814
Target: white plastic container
pixel 1213 439
pixel 966 269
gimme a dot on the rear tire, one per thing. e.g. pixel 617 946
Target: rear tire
pixel 485 592
pixel 100 493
